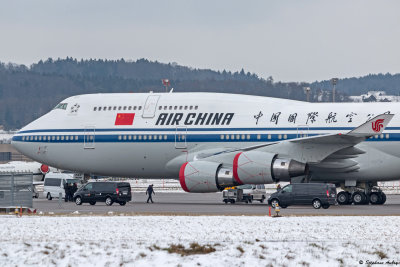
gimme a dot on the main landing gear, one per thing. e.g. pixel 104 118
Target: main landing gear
pixel 358 197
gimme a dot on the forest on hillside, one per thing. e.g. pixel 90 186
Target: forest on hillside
pixel 26 93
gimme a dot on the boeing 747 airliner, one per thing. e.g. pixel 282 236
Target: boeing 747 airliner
pixel 213 140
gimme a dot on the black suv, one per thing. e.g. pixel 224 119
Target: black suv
pixel 108 192
pixel 316 194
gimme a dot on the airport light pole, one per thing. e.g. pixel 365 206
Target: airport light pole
pixel 166 83
pixel 307 91
pixel 334 82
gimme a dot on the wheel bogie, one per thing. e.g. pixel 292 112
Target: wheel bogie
pixel 343 198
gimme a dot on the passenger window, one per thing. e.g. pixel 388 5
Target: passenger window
pixel 119 108
pixel 99 108
pixel 95 108
pixel 109 108
pixel 160 107
pixel 129 108
pixel 287 188
pixel 134 108
pixel 114 108
pixel 88 187
pixel 140 107
pixel 196 107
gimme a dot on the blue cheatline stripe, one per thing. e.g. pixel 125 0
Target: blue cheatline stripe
pixel 190 138
pixel 197 129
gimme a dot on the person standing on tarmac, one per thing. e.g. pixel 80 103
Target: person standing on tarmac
pixel 71 192
pixel 149 192
pixel 67 190
pixel 74 189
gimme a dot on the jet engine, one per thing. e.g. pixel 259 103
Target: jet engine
pixel 248 168
pixel 256 167
pixel 205 176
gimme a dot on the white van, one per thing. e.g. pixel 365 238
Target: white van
pixel 54 184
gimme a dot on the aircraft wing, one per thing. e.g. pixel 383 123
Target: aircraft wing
pixel 314 149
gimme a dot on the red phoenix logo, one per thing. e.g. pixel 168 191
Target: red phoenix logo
pixel 377 125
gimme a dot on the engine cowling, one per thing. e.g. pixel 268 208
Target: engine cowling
pixel 256 167
pixel 248 168
pixel 205 176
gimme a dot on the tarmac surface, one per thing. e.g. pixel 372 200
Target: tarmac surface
pixel 210 204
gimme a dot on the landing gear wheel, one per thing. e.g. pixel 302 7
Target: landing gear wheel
pixel 343 198
pixel 316 204
pixel 92 203
pixel 109 201
pixel 275 203
pixel 375 198
pixel 326 206
pixel 359 198
pixel 122 203
pixel 49 196
pixel 78 201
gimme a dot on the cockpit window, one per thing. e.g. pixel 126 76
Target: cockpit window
pixel 61 106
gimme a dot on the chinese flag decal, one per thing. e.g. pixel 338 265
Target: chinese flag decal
pixel 124 118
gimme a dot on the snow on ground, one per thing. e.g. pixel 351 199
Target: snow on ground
pixel 237 240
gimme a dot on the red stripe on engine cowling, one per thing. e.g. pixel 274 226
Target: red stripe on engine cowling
pixel 182 177
pixel 235 167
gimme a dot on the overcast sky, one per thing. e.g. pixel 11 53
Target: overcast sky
pixel 289 40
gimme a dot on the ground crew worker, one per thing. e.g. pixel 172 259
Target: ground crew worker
pixel 66 189
pixel 74 189
pixel 149 192
pixel 278 187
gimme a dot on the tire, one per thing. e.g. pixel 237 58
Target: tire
pixel 49 196
pixel 123 203
pixel 375 198
pixel 92 203
pixel 343 198
pixel 326 206
pixel 78 201
pixel 383 196
pixel 262 199
pixel 225 201
pixel 109 201
pixel 274 202
pixel 359 198
pixel 232 201
pixel 316 203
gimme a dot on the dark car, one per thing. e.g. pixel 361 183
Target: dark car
pixel 108 192
pixel 316 194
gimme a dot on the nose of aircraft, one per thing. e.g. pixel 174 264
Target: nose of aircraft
pixel 24 140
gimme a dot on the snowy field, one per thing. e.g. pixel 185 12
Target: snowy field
pixel 219 240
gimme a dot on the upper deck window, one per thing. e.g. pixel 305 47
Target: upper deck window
pixel 61 106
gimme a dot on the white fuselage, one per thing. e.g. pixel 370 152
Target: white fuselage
pixel 170 128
